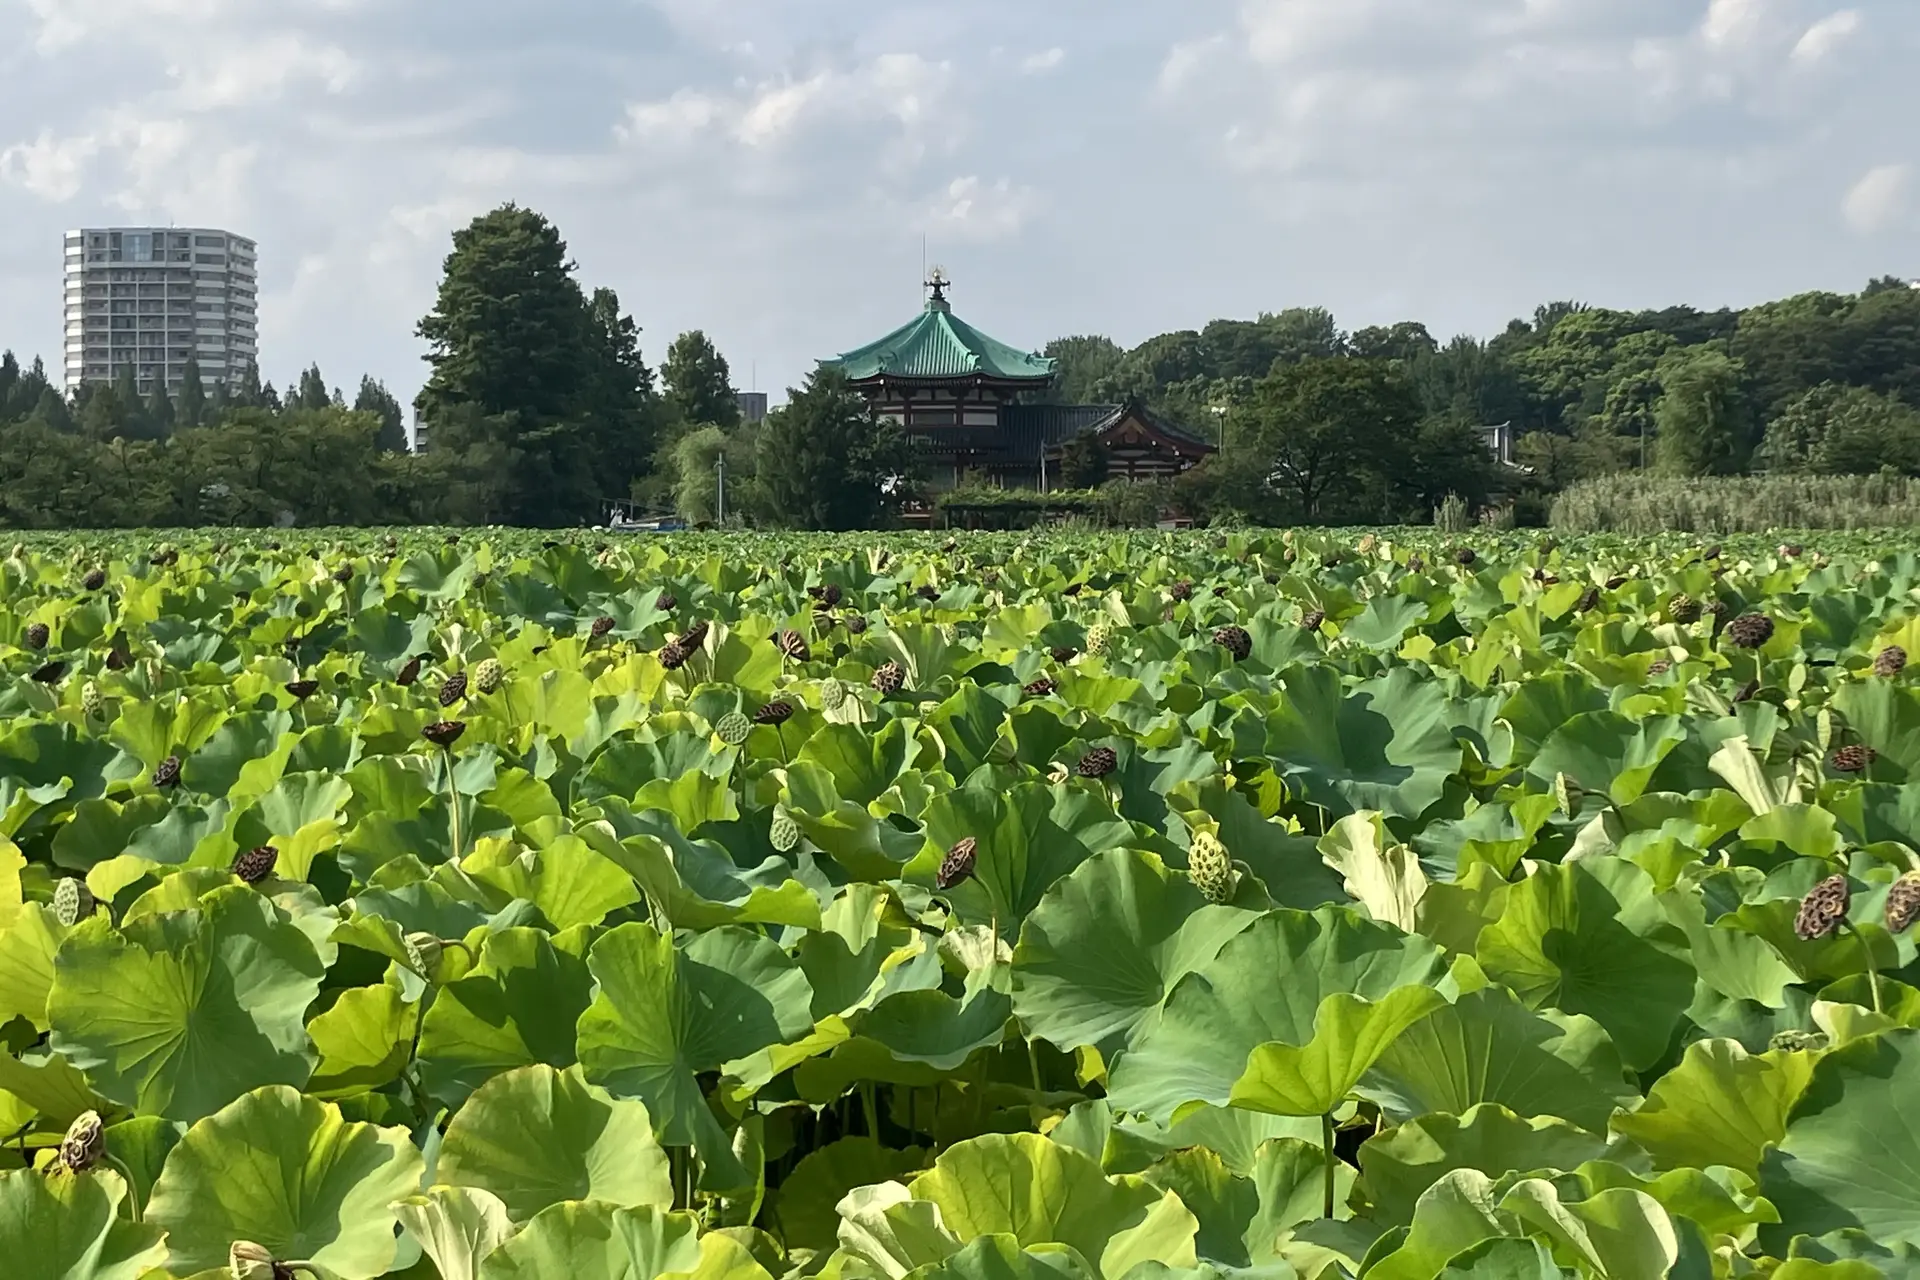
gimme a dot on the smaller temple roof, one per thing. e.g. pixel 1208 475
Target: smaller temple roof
pixel 1030 428
pixel 939 346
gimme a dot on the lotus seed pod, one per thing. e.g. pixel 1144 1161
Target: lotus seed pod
pixel 423 954
pixel 72 901
pixel 1853 759
pixel 1568 795
pixel 85 1142
pixel 489 675
pixel 444 733
pixel 672 656
pixel 249 1261
pixel 833 695
pixel 166 774
pixel 733 728
pixel 92 704
pixel 453 689
pixel 784 834
pixel 1890 662
pixel 409 672
pixel 775 713
pixel 1099 639
pixel 890 678
pixel 1683 609
pixel 795 646
pixel 1098 763
pixel 1903 903
pixel 1797 1041
pixel 1313 619
pixel 1235 641
pixel 1750 631
pixel 957 865
pixel 1040 688
pixel 1824 909
pixel 1211 868
pixel 255 865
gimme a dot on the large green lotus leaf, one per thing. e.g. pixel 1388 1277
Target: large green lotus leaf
pixel 1289 865
pixel 1042 1193
pixel 1607 753
pixel 288 1173
pixel 28 944
pixel 597 1241
pixel 1720 1106
pixel 362 1040
pixel 1590 937
pixel 863 765
pixel 1108 941
pixel 697 883
pixel 1732 961
pixel 866 949
pixel 301 816
pixel 1720 1200
pixel 1542 703
pixel 1507 1259
pixel 888 1232
pixel 570 883
pixel 1235 1135
pixel 1852 1145
pixel 519 1006
pixel 50 1085
pixel 911 1038
pixel 1380 874
pixel 1000 1257
pixel 1349 1035
pixel 661 1015
pixel 806 1205
pixel 1266 986
pixel 1453 1216
pixel 1402 1162
pixel 1488 1047
pixel 70 1228
pixel 1244 1219
pixel 103 829
pixel 456 1227
pixel 536 1136
pixel 1886 714
pixel 1620 1234
pixel 1027 839
pixel 1387 744
pixel 177 1015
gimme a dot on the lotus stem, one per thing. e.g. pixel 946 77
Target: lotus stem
pixel 870 1109
pixel 1033 1064
pixel 119 1166
pixel 1326 1141
pixel 1873 970
pixel 453 805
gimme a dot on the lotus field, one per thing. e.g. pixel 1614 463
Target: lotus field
pixel 1023 907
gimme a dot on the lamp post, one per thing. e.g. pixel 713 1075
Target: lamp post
pixel 720 474
pixel 1220 419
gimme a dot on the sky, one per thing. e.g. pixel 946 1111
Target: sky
pixel 770 170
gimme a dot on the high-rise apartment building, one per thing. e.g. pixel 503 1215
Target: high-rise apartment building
pixel 147 296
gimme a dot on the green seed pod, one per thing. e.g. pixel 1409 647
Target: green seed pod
pixel 1211 868
pixel 489 675
pixel 733 728
pixel 423 954
pixel 72 901
pixel 249 1261
pixel 785 833
pixel 93 704
pixel 833 695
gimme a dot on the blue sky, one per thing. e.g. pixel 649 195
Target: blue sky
pixel 767 169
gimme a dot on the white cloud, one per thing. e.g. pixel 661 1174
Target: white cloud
pixel 1731 21
pixel 901 88
pixel 1826 35
pixel 1045 61
pixel 258 70
pixel 1879 199
pixel 973 210
pixel 49 167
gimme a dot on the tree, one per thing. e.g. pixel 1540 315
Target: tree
pixel 1083 463
pixel 1836 430
pixel 1408 340
pixel 1082 364
pixel 159 415
pixel 312 393
pixel 191 409
pixel 1322 430
pixel 619 398
pixel 374 398
pixel 513 338
pixel 1702 417
pixel 246 392
pixel 825 461
pixel 699 385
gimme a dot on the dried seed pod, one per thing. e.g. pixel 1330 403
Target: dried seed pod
pixel 856 625
pixel 1098 763
pixel 1313 619
pixel 1181 590
pixel 1823 909
pixel 36 636
pixel 1465 557
pixel 1903 903
pixel 84 1144
pixel 1660 666
pixel 444 733
pixel 601 626
pixel 303 689
pixel 666 602
pixel 890 678
pixel 794 646
pixel 1210 868
pixel 1890 661
pixel 1852 759
pixel 409 672
pixel 453 688
pixel 1038 688
pixel 777 712
pixel 696 635
pixel 928 593
pixel 957 865
pixel 1683 609
pixel 1750 631
pixel 255 865
pixel 1747 692
pixel 52 673
pixel 672 655
pixel 94 580
pixel 343 575
pixel 166 774
pixel 1064 653
pixel 1235 641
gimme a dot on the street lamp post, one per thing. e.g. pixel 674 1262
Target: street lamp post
pixel 1220 419
pixel 720 473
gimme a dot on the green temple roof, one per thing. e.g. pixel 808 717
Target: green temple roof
pixel 938 345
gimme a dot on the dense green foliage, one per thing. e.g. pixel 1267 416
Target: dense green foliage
pixel 1738 504
pixel 1132 908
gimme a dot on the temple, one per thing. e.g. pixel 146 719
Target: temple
pixel 977 408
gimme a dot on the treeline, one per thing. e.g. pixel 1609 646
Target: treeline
pixel 1820 383
pixel 539 410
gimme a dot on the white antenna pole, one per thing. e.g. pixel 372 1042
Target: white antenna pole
pixel 720 504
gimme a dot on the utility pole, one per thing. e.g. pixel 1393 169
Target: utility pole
pixel 720 471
